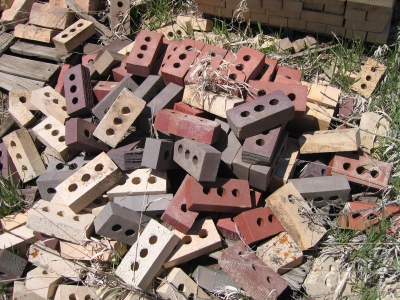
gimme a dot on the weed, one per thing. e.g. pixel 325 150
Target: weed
pixel 10 200
pixel 159 13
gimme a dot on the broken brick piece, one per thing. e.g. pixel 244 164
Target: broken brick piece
pixel 226 227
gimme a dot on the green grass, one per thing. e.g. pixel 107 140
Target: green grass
pixel 10 200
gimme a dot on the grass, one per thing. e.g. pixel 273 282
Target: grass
pixel 11 201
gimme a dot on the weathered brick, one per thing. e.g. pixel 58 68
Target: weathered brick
pixel 19 101
pixel 370 75
pixel 17 13
pixel 42 282
pixel 102 88
pixel 150 88
pixel 119 16
pixel 247 65
pixel 55 17
pixel 13 221
pixel 11 265
pixel 127 160
pixel 35 33
pixel 20 292
pixel 211 279
pixel 267 72
pixel 227 228
pixel 158 154
pixel 106 61
pixel 75 164
pixel 187 109
pixel 51 103
pixel 371 123
pixel 59 88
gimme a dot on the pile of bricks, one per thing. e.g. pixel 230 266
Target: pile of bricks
pixel 365 19
pixel 167 175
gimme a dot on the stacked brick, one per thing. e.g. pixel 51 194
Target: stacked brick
pixel 365 19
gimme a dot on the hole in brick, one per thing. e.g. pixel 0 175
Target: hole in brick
pixel 368 78
pixel 117 121
pixel 18 156
pixel 182 56
pixel 291 199
pixel 110 131
pixel 363 86
pixel 273 101
pixel 271 218
pixel 166 155
pixel 178 32
pixel 143 47
pixel 194 160
pixel 135 266
pixel 55 132
pixel 186 240
pixel 170 34
pixel 268 279
pixel 22 99
pixel 189 48
pixel 86 133
pixel 80 24
pixel 140 55
pixel 373 69
pixel 355 216
pixel 60 166
pixel 48 126
pixel 318 199
pixel 153 239
pixel 260 222
pixel 116 227
pixel 97 201
pixel 136 180
pixel 98 167
pixel 261 93
pixel 361 170
pixel 180 148
pixel 239 67
pixel 245 114
pixel 147 39
pixel 235 193
pixel 72 77
pixel 206 190
pixel 221 191
pixel 64 36
pixel 187 154
pixel 143 253
pixel 181 287
pixel 259 108
pixel 85 177
pixel 72 30
pixel 75 100
pixel 232 76
pixel 45 209
pixel 323 172
pixel 88 297
pixel 122 181
pixel 334 198
pixel 253 267
pixel 346 166
pixel 61 139
pixel 73 166
pixel 24 168
pixel 72 297
pixel 120 4
pixel 183 207
pixel 44 272
pixel 292 96
pixel 73 187
pixel 76 218
pixel 212 54
pixel 64 108
pixel 260 142
pixel 13 144
pixel 374 174
pixel 177 65
pixel 60 213
pixel 129 232
pixel 246 57
pixel 51 190
pixel 152 180
pixel 125 110
pixel 73 89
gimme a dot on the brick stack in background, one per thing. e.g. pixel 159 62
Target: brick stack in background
pixel 365 19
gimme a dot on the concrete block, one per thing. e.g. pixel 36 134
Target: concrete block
pixel 119 223
pixel 19 107
pixel 151 205
pixel 325 141
pixel 106 61
pixel 88 183
pixel 158 154
pixel 261 114
pixel 211 280
pixel 371 123
pixel 57 220
pixel 286 203
pixel 48 182
pixel 223 195
pixel 74 292
pixel 139 182
pixel 150 88
pixel 35 33
pixel 201 239
pixel 11 265
pixel 45 15
pixel 200 160
pixel 51 103
pixel 17 13
pixel 187 126
pixel 147 255
pixel 13 221
pixel 42 282
pixel 20 292
pixel 370 75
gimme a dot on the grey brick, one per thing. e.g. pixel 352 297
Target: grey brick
pixel 158 154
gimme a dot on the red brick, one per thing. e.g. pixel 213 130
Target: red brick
pixel 187 109
pixel 362 170
pixel 144 54
pixel 267 73
pixel 177 215
pixel 226 226
pixel 256 197
pixel 88 58
pixel 223 195
pixel 60 82
pixel 102 88
pixel 191 127
pixel 170 50
pixel 250 272
pixel 295 92
pixel 177 66
pixel 288 73
pixel 248 64
pixel 257 224
pixel 120 72
pixel 345 110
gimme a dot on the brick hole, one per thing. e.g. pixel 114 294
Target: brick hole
pixel 98 167
pixel 110 131
pixel 116 227
pixel 136 180
pixel 183 207
pixel 153 239
pixel 368 78
pixel 361 170
pixel 48 126
pixel 232 76
pixel 60 166
pixel 166 155
pixel 64 108
pixel 269 281
pixel 194 160
pixel 273 102
pixel 261 93
pixel 189 48
pixel 72 30
pixel 73 166
pixel 143 253
pixel 75 100
pixel 45 209
pixel 259 108
pixel 1 166
pixel 373 69
pixel 80 24
pixel 374 174
pixel 117 121
pixel 235 193
pixel 271 218
pixel 212 54
pixel 371 217
pixel 323 172
pixel 18 156
pixel 253 267
pixel 291 199
pixel 60 213
pixel 169 56
pixel 363 86
pixel 47 94
pixel 182 56
pixel 346 166
pixel 140 55
pixel 239 67
pixel 170 34
pixel 143 47
pixel 55 101
pixel 245 114
pixel 72 77
pixel 180 149
pixel 51 190
pixel 125 110
pixel 206 190
pixel 292 96
pixel 187 154
pixel 120 4
pixel 181 287
pixel 122 181
pixel 24 168
pixel 135 266
pixel 64 36
pixel 72 297
pixel 152 180
pixel 13 144
pixel 186 240
pixel 73 187
pixel 333 197
pixel 129 232
pixel 260 142
pixel 246 57
pixel 73 89
pixel 178 32
pixel 177 65
pixel 88 297
pixel 55 132
pixel 76 219
pixel 147 39
pixel 221 191
pixel 260 222
pixel 44 272
pixel 318 200
pixel 86 133
pixel 22 99
pixel 288 77
pixel 355 216
pixel 85 177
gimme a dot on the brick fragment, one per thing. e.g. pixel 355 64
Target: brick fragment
pixel 17 13
pixel 371 123
pixel 19 107
pixel 227 228
pixel 47 240
pixel 59 88
pixel 127 160
pixel 11 222
pixel 288 73
pixel 18 239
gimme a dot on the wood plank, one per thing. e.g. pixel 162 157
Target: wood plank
pixel 29 49
pixel 10 82
pixel 27 68
pixel 6 39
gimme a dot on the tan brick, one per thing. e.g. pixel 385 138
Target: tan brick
pixel 313 6
pixel 365 26
pixel 77 292
pixel 51 103
pixel 289 5
pixel 334 9
pixel 375 16
pixel 272 5
pixel 18 239
pixel 49 16
pixel 104 250
pixel 18 13
pixel 370 74
pixel 285 13
pixel 278 21
pixel 338 30
pixel 374 123
pixel 324 95
pixel 19 107
pixel 20 292
pixel 263 18
pixel 297 23
pixel 286 203
pixel 355 14
pixel 60 3
pixel 42 283
pixel 352 34
pixel 74 35
pixel 11 222
pixel 378 38
pixel 320 17
pixel 223 12
pixel 207 9
pixel 35 33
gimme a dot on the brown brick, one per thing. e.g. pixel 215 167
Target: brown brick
pixel 278 21
pixel 324 18
pixel 297 23
pixel 316 27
